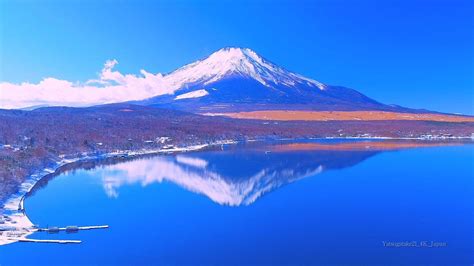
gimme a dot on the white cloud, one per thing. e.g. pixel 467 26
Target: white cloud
pixel 111 86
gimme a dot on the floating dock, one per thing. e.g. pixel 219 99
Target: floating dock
pixel 72 228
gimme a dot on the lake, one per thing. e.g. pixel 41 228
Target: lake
pixel 317 202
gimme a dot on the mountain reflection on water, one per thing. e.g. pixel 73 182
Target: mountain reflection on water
pixel 241 174
pixel 238 174
pixel 236 177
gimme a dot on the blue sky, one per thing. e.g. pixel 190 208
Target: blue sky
pixel 414 53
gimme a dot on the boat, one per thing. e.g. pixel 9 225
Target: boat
pixel 72 229
pixel 53 230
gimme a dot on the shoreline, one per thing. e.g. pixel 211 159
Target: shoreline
pixel 14 209
pixel 16 224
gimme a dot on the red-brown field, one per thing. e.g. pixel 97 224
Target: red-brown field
pixel 280 115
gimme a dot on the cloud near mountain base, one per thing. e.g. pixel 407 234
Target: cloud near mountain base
pixel 111 86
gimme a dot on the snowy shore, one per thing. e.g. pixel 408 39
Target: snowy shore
pixel 14 223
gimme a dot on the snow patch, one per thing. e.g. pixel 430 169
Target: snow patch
pixel 193 94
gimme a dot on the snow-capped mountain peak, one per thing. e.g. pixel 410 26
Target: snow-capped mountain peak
pixel 238 79
pixel 236 61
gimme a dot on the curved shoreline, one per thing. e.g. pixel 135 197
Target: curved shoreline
pixel 16 224
pixel 15 209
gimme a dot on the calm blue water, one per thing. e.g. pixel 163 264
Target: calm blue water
pixel 245 205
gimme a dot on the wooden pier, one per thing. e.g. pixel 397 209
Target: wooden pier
pixel 48 241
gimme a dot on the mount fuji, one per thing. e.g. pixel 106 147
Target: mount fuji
pixel 238 79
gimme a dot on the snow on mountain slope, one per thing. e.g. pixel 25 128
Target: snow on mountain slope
pixel 240 61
